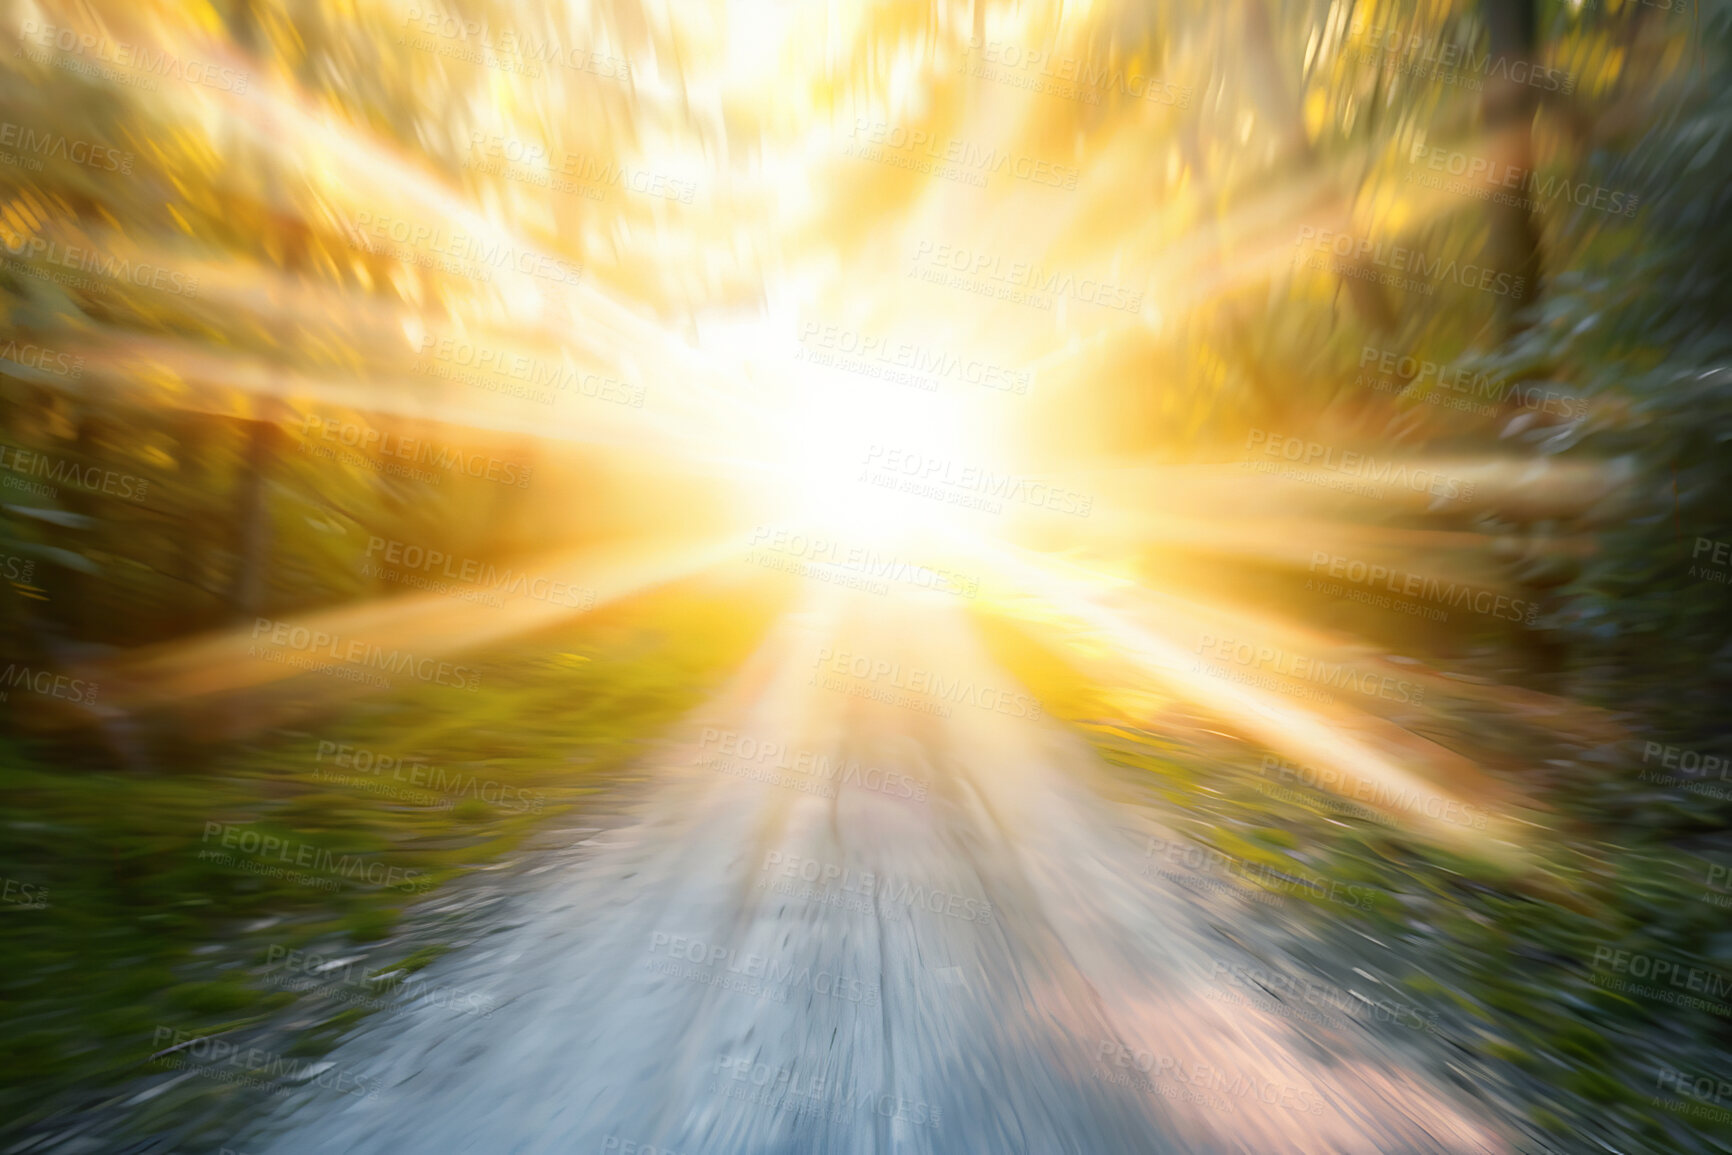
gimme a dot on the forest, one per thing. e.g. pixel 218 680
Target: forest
pixel 415 412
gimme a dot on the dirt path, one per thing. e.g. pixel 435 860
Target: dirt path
pixel 845 924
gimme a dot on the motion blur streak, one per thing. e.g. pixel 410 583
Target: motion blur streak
pixel 671 576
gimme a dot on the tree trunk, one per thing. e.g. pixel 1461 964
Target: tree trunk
pixel 1509 107
pixel 1284 113
pixel 247 596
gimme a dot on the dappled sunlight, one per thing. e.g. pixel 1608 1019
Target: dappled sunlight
pixel 995 444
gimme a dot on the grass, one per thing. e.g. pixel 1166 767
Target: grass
pixel 143 929
pixel 1508 972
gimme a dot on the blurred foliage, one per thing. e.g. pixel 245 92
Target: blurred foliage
pixel 1505 966
pixel 140 930
pixel 1295 116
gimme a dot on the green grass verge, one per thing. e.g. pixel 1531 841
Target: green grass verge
pixel 137 917
pixel 1509 973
